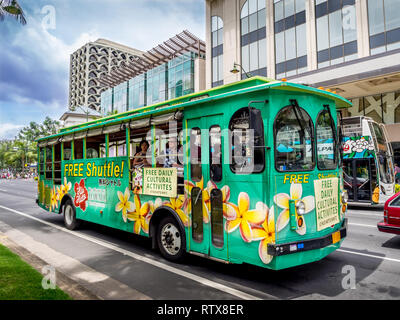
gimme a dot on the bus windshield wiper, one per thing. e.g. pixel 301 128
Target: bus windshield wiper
pixel 300 118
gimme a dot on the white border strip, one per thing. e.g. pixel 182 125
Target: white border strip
pixel 363 225
pixel 201 280
pixel 368 255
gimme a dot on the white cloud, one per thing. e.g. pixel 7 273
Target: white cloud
pixel 39 42
pixel 9 130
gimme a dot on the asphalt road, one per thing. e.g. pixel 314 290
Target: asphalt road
pixel 134 269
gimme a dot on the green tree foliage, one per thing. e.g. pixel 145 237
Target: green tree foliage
pixel 22 150
pixel 35 131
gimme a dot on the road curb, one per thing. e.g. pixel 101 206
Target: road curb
pixel 68 285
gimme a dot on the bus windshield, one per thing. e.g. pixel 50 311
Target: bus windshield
pixel 380 137
pixel 293 143
pixel 384 168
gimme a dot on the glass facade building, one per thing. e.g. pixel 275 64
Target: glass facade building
pixel 290 37
pixel 137 92
pixel 384 25
pixel 120 97
pixel 181 76
pixel 157 85
pixel 106 102
pixel 170 80
pixel 336 31
pixel 253 40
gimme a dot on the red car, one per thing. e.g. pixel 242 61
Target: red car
pixel 391 215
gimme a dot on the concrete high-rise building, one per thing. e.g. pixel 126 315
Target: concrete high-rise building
pixel 350 46
pixel 88 64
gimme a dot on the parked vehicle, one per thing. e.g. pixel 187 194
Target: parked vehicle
pixel 391 215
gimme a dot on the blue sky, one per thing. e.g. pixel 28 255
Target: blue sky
pixel 34 59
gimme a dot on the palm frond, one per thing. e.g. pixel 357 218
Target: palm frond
pixel 12 9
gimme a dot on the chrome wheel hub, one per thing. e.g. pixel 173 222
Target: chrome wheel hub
pixel 171 239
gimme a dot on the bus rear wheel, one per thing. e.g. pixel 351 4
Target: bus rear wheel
pixel 70 220
pixel 170 239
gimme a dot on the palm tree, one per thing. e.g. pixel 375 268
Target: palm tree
pixel 12 8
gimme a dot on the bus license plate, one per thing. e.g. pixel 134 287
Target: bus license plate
pixel 335 237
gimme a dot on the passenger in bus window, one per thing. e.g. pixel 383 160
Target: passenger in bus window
pixel 140 159
pixel 172 154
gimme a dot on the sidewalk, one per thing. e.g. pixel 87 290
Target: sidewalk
pixel 76 279
pixel 69 286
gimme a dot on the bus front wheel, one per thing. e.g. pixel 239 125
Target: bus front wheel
pixel 70 220
pixel 170 239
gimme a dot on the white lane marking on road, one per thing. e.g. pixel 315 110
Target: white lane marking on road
pixel 3 190
pixel 201 280
pixel 366 214
pixel 362 225
pixel 368 255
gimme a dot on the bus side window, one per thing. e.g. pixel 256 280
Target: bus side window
pixel 169 149
pixel 49 163
pixel 67 151
pixel 326 142
pixel 117 144
pixel 215 154
pixel 217 218
pixel 95 147
pixel 57 164
pixel 247 142
pixel 195 155
pixel 78 149
pixel 140 150
pixel 41 161
pixel 197 214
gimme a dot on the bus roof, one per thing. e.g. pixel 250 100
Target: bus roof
pixel 244 86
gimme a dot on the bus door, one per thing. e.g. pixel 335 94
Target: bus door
pixel 207 233
pixel 357 179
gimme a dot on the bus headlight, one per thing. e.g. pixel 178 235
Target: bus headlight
pixel 345 197
pixel 300 207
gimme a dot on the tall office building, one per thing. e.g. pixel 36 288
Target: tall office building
pixel 88 64
pixel 350 46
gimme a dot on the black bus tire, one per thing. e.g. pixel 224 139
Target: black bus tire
pixel 170 239
pixel 70 221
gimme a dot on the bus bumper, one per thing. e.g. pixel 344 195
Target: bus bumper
pixel 308 245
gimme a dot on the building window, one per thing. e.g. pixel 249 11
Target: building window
pixel 106 102
pixel 137 92
pixel 253 38
pixel 384 25
pixel 181 75
pixel 217 40
pixel 336 31
pixel 290 37
pixel 157 85
pixel 120 100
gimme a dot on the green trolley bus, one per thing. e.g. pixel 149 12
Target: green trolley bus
pixel 248 172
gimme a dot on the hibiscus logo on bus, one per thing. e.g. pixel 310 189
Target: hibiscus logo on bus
pixel 81 195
